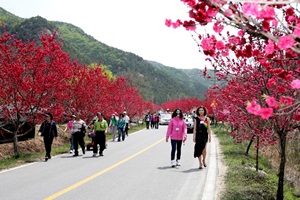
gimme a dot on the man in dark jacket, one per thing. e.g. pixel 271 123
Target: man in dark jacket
pixel 49 131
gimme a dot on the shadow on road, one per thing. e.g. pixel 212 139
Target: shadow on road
pixel 184 171
pixel 163 168
pixel 192 170
pixel 71 156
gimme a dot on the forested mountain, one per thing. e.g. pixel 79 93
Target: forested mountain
pixel 155 81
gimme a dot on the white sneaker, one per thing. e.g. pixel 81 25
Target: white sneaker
pixel 178 163
pixel 173 164
pixel 71 151
pixel 94 155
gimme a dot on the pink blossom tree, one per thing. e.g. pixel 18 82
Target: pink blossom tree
pixel 264 39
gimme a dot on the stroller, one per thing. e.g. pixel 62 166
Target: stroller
pixel 91 144
pixel 91 134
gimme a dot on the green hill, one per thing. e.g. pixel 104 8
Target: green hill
pixel 155 81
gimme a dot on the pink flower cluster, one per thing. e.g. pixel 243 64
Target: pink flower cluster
pixel 284 43
pixel 258 11
pixel 256 109
pixel 189 25
pixel 266 113
pixel 169 23
pixel 295 84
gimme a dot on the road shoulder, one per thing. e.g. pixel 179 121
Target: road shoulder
pixel 222 169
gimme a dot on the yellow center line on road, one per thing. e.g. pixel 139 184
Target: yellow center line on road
pixel 100 173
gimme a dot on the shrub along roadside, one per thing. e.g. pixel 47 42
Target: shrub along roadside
pixel 242 182
pixel 24 158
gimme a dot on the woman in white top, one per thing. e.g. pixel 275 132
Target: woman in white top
pixel 78 132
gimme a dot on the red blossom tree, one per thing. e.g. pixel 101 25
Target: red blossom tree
pixel 88 90
pixel 32 80
pixel 125 97
pixel 40 78
pixel 91 91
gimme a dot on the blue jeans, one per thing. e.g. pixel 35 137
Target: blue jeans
pixel 176 145
pixel 71 144
pixel 121 132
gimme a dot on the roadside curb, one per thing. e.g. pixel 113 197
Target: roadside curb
pixel 211 176
pixel 221 172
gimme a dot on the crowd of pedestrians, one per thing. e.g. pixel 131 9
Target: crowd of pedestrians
pixel 98 128
pixel 120 123
pixel 152 120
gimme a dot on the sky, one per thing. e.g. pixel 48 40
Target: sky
pixel 136 26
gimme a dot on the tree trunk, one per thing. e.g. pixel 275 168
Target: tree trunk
pixel 257 151
pixel 16 147
pixel 249 145
pixel 282 144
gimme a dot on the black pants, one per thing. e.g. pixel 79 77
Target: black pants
pixel 152 124
pixel 100 138
pixel 176 145
pixel 126 129
pixel 147 124
pixel 78 139
pixel 48 143
pixel 156 125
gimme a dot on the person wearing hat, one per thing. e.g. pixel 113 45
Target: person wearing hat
pixel 49 131
pixel 113 126
pixel 69 128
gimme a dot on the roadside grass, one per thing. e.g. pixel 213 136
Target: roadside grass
pixel 242 181
pixel 24 158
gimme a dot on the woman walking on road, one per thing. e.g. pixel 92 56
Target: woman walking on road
pixel 177 131
pixel 49 131
pixel 78 133
pixel 127 121
pixel 202 134
pixel 69 128
pixel 113 126
pixel 121 127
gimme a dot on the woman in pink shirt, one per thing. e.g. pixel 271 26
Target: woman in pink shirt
pixel 69 128
pixel 177 131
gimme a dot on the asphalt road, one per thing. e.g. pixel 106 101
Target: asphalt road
pixel 136 169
